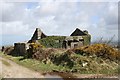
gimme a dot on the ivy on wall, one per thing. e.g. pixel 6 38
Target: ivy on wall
pixel 57 41
pixel 52 41
pixel 87 39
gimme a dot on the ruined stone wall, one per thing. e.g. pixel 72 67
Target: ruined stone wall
pixel 38 34
pixel 21 48
pixel 76 44
pixel 73 41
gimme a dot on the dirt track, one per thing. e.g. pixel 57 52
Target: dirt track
pixel 13 70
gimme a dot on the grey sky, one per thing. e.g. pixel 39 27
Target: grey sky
pixel 54 17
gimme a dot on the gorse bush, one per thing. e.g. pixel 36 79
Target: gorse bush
pixel 100 50
pixel 36 46
pixel 33 48
pixel 97 58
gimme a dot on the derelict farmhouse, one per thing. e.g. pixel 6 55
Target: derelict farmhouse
pixel 76 39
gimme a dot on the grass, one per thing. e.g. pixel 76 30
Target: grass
pixel 33 64
pixel 106 67
pixel 37 65
pixel 5 63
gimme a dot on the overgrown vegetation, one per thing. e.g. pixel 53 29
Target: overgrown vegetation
pixel 100 50
pixel 34 64
pixel 96 58
pixel 52 41
pixel 57 41
pixel 87 39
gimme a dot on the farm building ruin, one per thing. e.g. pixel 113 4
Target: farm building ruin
pixel 76 39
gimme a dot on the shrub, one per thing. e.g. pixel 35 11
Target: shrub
pixel 43 54
pixel 101 50
pixel 87 60
pixel 33 48
pixel 9 50
pixel 64 60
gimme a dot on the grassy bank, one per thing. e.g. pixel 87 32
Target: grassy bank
pixel 33 64
pixel 94 64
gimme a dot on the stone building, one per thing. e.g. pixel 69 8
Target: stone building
pixel 73 42
pixel 38 34
pixel 76 39
pixel 21 48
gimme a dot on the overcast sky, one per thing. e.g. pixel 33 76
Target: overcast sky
pixel 55 17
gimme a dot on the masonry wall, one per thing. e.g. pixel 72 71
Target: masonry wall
pixel 20 48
